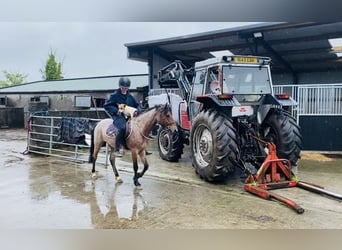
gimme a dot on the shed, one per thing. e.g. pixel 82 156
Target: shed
pixel 306 63
pixel 305 52
pixel 78 95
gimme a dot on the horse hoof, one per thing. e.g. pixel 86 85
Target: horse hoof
pixel 94 176
pixel 118 180
pixel 138 187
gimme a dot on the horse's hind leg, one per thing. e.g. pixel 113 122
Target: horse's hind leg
pixel 95 153
pixel 112 162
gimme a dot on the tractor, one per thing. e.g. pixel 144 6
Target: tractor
pixel 225 108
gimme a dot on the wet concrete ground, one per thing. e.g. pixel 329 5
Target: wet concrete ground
pixel 47 192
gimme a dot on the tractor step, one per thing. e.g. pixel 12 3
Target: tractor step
pixel 276 173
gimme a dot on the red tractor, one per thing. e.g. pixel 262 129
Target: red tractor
pixel 225 107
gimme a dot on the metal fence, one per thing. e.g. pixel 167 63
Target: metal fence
pixel 314 99
pixel 44 138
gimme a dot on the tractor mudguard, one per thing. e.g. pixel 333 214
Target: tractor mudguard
pixel 268 102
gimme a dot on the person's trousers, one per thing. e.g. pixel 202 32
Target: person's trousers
pixel 120 123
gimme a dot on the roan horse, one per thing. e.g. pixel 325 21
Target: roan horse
pixel 141 126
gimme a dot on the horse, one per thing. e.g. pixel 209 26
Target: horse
pixel 137 140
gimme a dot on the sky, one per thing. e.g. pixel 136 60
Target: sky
pixel 86 49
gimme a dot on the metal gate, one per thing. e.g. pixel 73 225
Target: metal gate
pixel 44 138
pixel 319 113
pixel 314 99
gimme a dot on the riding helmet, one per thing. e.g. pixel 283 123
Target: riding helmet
pixel 124 82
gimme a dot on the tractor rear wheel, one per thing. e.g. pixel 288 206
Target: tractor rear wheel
pixel 281 129
pixel 213 146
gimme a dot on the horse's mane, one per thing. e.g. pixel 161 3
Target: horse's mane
pixel 167 107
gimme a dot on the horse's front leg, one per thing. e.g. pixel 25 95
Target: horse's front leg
pixel 135 168
pixel 142 155
pixel 138 175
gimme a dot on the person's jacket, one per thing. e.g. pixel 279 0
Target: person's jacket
pixel 111 105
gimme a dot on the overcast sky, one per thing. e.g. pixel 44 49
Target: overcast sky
pixel 85 48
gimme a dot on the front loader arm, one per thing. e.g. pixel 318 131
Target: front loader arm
pixel 175 75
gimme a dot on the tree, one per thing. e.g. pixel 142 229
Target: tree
pixel 53 69
pixel 12 79
pixel 3 84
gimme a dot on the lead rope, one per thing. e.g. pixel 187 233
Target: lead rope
pixel 146 137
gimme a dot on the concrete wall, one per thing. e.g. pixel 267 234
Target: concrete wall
pixel 158 63
pixel 12 118
pixel 60 104
pixel 58 101
pixel 309 78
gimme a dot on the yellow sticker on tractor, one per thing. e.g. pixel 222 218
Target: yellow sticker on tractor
pixel 251 60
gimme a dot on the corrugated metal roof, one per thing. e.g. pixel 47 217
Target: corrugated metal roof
pixel 102 83
pixel 293 47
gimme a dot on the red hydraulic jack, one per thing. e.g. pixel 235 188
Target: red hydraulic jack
pixel 276 173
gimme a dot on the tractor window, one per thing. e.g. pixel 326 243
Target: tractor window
pixel 197 89
pixel 213 86
pixel 198 83
pixel 246 80
pixel 199 77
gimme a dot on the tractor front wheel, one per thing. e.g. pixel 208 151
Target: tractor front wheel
pixel 170 145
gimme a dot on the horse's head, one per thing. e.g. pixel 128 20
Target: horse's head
pixel 165 118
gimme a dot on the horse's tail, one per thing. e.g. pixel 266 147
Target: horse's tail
pixel 91 150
